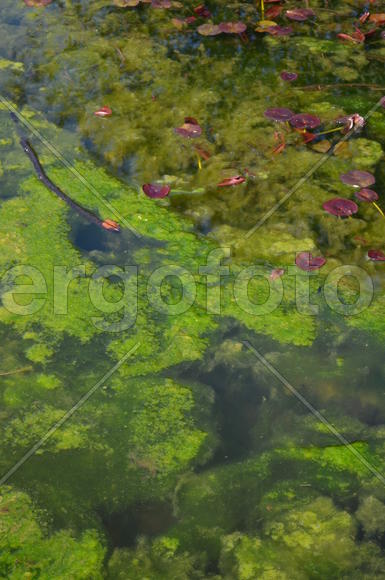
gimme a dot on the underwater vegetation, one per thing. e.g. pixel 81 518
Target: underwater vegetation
pixel 249 134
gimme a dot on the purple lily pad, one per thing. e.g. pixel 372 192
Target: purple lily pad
pixel 366 195
pixel 340 207
pixel 190 128
pixel 279 30
pixel 279 114
pixel 232 27
pixel 305 121
pixel 209 29
pixel 358 178
pixel 288 76
pixel 376 255
pixel 306 261
pixel 300 14
pixel 156 190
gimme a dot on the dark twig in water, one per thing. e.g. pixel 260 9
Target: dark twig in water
pixel 43 177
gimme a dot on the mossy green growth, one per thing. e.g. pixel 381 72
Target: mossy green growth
pixel 315 540
pixel 159 560
pixel 28 550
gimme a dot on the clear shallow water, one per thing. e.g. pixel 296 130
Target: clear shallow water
pixel 194 459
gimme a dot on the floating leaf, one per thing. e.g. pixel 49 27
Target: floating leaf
pixel 209 29
pixel 340 207
pixel 190 128
pixel 264 25
pixel 202 11
pixel 111 225
pixel 322 146
pixel 366 195
pixel 103 112
pixel 305 121
pixel 236 180
pixel 300 14
pixel 358 178
pixel 306 261
pixel 376 255
pixel 356 36
pixel 274 11
pixel 232 27
pixel 377 18
pixel 161 4
pixel 279 114
pixel 288 76
pixel 280 30
pixel 156 190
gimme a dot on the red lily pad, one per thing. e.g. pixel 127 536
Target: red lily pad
pixel 358 178
pixel 209 29
pixel 236 180
pixel 340 207
pixel 232 27
pixel 103 112
pixel 376 255
pixel 190 128
pixel 156 190
pixel 305 121
pixel 279 114
pixel 300 14
pixel 307 262
pixel 366 195
pixel 288 76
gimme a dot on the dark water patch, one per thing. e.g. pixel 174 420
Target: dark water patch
pixel 90 237
pixel 123 528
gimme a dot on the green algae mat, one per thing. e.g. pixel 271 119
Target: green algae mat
pixel 192 254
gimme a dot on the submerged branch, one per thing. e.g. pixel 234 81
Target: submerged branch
pixel 23 370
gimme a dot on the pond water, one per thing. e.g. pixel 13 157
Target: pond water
pixel 201 394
